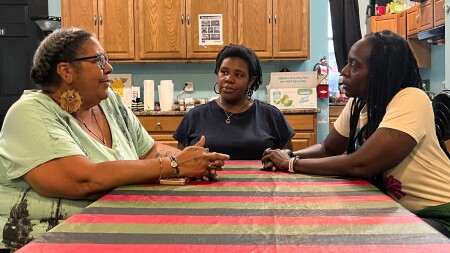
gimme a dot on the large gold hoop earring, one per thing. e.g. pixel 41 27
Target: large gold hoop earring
pixel 70 101
pixel 215 91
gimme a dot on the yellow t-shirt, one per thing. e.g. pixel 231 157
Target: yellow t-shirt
pixel 422 179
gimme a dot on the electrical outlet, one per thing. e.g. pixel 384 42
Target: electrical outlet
pixel 188 86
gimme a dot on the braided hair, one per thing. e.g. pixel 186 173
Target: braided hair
pixel 247 55
pixel 63 45
pixel 392 67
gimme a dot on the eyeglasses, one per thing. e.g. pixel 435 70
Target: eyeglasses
pixel 102 59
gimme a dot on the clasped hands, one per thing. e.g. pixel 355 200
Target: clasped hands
pixel 196 161
pixel 276 159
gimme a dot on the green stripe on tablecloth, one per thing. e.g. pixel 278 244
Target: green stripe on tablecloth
pixel 250 188
pixel 247 212
pixel 247 205
pixel 350 229
pixel 246 239
pixel 253 194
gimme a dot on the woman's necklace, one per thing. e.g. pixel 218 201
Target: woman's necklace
pixel 102 139
pixel 228 120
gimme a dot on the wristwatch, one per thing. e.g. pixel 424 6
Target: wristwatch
pixel 174 165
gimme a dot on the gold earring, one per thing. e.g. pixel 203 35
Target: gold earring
pixel 70 100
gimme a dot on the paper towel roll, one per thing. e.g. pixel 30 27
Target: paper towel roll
pixel 165 90
pixel 149 94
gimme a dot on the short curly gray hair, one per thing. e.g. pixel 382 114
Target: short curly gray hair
pixel 63 45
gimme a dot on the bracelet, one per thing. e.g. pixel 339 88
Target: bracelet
pixel 292 163
pixel 160 168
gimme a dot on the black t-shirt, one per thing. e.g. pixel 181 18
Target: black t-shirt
pixel 245 138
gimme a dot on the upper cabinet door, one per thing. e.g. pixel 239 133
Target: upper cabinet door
pixel 291 29
pixel 80 14
pixel 116 28
pixel 112 23
pixel 162 31
pixel 196 7
pixel 387 22
pixel 426 15
pixel 412 21
pixel 401 24
pixel 439 13
pixel 254 26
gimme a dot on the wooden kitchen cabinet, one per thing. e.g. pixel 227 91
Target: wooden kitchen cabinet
pixel 439 13
pixel 401 24
pixel 396 23
pixel 274 28
pixel 384 22
pixel 111 21
pixel 196 7
pixel 412 21
pixel 426 15
pixel 169 29
pixel 162 127
pixel 305 126
pixel 420 48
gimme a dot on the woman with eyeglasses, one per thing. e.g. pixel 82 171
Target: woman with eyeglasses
pixel 72 141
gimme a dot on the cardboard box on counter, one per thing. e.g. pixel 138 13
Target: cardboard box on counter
pixel 122 85
pixel 294 90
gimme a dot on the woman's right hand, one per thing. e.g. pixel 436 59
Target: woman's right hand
pixel 275 160
pixel 197 161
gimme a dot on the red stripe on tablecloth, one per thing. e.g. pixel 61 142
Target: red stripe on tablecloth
pixel 247 199
pixel 242 220
pixel 271 184
pixel 249 172
pixel 155 248
pixel 287 183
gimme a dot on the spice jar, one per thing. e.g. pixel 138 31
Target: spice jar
pixel 182 106
pixel 176 105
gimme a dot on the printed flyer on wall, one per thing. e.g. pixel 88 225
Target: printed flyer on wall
pixel 210 27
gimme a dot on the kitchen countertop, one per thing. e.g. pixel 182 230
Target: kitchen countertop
pixel 172 113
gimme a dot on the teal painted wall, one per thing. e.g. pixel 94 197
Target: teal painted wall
pixel 437 70
pixel 202 74
pixel 54 8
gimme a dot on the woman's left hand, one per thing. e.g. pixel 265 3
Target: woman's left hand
pixel 275 159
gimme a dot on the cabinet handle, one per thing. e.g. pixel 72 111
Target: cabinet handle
pixel 447 8
pixel 158 124
pixel 100 20
pixel 417 19
pixel 270 17
pixel 275 18
pixel 188 19
pixel 95 20
pixel 182 19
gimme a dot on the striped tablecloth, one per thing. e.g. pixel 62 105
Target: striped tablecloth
pixel 248 210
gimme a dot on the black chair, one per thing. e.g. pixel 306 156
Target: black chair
pixel 441 109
